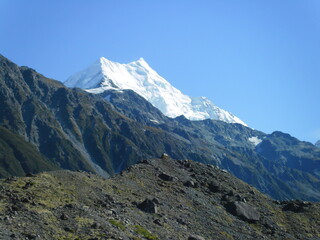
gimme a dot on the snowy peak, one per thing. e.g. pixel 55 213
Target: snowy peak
pixel 138 76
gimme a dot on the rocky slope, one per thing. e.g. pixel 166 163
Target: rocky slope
pixel 156 199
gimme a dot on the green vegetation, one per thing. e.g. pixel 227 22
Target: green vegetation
pixel 18 157
pixel 226 235
pixel 144 233
pixel 84 222
pixel 117 224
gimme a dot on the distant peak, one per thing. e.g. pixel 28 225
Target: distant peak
pixel 141 62
pixel 103 60
pixel 140 77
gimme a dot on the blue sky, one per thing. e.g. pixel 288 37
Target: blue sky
pixel 258 59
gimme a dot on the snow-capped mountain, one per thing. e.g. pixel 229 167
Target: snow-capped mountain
pixel 141 78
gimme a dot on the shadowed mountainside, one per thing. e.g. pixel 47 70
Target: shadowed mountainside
pixel 277 164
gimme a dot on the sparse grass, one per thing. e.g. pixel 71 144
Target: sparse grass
pixel 226 235
pixel 228 219
pixel 117 224
pixel 18 183
pixel 144 233
pixel 140 183
pixel 69 236
pixel 83 222
pixel 2 206
pixel 52 195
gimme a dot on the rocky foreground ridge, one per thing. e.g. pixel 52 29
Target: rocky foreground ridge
pixel 155 199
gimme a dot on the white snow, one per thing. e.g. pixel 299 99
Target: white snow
pixel 254 140
pixel 154 121
pixel 141 78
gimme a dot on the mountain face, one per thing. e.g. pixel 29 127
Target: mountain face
pixel 76 130
pixel 317 144
pixel 141 78
pixel 73 129
pixel 18 157
pixel 155 199
pixel 277 164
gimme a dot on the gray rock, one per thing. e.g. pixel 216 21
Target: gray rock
pixel 195 237
pixel 148 206
pixel 158 222
pixel 64 216
pixel 182 221
pixel 189 183
pixel 296 206
pixel 214 187
pixel 156 200
pixel 165 177
pixel 243 211
pixel 31 236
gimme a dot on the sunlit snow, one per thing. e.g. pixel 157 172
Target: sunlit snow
pixel 255 140
pixel 141 78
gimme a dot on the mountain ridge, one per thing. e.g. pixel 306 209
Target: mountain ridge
pixel 77 130
pixel 244 155
pixel 140 77
pixel 154 199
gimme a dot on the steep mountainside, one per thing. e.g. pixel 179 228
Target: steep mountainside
pixel 277 164
pixel 74 129
pixel 77 130
pixel 18 157
pixel 317 144
pixel 157 199
pixel 141 78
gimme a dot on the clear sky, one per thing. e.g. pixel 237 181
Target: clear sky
pixel 259 59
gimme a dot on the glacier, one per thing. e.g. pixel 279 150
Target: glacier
pixel 138 76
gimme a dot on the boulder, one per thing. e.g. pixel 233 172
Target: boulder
pixel 189 183
pixel 165 177
pixel 195 237
pixel 64 216
pixel 148 206
pixel 243 211
pixel 158 222
pixel 296 206
pixel 214 187
pixel 164 156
